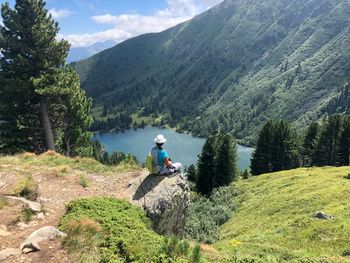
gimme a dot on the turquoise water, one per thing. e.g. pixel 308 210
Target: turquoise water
pixel 181 147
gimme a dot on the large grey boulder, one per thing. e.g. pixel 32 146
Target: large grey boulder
pixel 43 234
pixel 165 199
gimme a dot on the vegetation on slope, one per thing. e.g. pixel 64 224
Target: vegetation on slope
pixel 230 68
pixel 57 164
pixel 275 221
pixel 111 230
pixel 128 233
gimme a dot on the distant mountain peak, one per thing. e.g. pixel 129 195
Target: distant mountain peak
pixel 80 53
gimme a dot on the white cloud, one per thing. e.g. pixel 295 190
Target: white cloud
pixel 125 26
pixel 60 13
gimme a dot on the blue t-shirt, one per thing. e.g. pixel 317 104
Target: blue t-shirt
pixel 162 154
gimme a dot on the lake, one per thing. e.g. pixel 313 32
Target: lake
pixel 181 147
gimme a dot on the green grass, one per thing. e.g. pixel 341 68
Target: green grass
pixel 127 232
pixel 26 187
pixel 83 181
pixel 274 219
pixel 58 165
pixel 3 202
pixel 26 215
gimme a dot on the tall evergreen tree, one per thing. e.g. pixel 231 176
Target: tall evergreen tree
pixel 42 106
pixel 261 159
pixel 29 49
pixel 225 165
pixel 285 150
pixel 343 149
pixel 277 149
pixel 69 109
pixel 206 168
pixel 328 143
pixel 310 144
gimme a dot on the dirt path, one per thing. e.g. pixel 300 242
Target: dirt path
pixel 54 193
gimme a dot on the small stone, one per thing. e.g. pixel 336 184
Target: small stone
pixel 41 216
pixel 3 227
pixel 22 225
pixel 322 215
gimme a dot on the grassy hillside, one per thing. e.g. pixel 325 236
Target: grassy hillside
pixel 230 68
pixel 275 217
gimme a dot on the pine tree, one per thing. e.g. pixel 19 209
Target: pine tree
pixel 192 173
pixel 70 111
pixel 285 150
pixel 225 165
pixel 206 168
pixel 310 144
pixel 328 143
pixel 261 159
pixel 42 105
pixel 343 149
pixel 277 149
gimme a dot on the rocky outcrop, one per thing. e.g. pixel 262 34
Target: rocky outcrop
pixel 34 206
pixel 43 234
pixel 165 199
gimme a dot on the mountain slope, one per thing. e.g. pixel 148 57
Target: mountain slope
pixel 230 68
pixel 275 217
pixel 80 53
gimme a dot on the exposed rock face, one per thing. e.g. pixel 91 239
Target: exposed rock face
pixel 34 206
pixel 165 199
pixel 43 234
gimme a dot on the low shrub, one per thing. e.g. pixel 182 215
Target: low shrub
pixel 83 181
pixel 176 250
pixel 207 214
pixel 108 230
pixel 128 236
pixel 84 237
pixel 26 215
pixel 26 187
pixel 3 202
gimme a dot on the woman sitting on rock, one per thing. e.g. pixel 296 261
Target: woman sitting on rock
pixel 161 158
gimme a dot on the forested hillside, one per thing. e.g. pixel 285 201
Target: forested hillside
pixel 230 68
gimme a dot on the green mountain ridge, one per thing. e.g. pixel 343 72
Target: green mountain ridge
pixel 230 68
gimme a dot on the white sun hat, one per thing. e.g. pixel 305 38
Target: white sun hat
pixel 160 139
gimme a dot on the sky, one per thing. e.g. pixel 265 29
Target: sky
pixel 85 22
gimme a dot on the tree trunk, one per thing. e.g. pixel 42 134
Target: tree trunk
pixel 49 141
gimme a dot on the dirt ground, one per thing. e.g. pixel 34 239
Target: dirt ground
pixel 54 193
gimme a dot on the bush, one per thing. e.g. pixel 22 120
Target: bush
pixel 207 214
pixel 27 188
pixel 83 181
pixel 26 215
pixel 3 202
pixel 84 237
pixel 127 237
pixel 176 250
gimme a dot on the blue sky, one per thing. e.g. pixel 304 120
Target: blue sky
pixel 84 22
